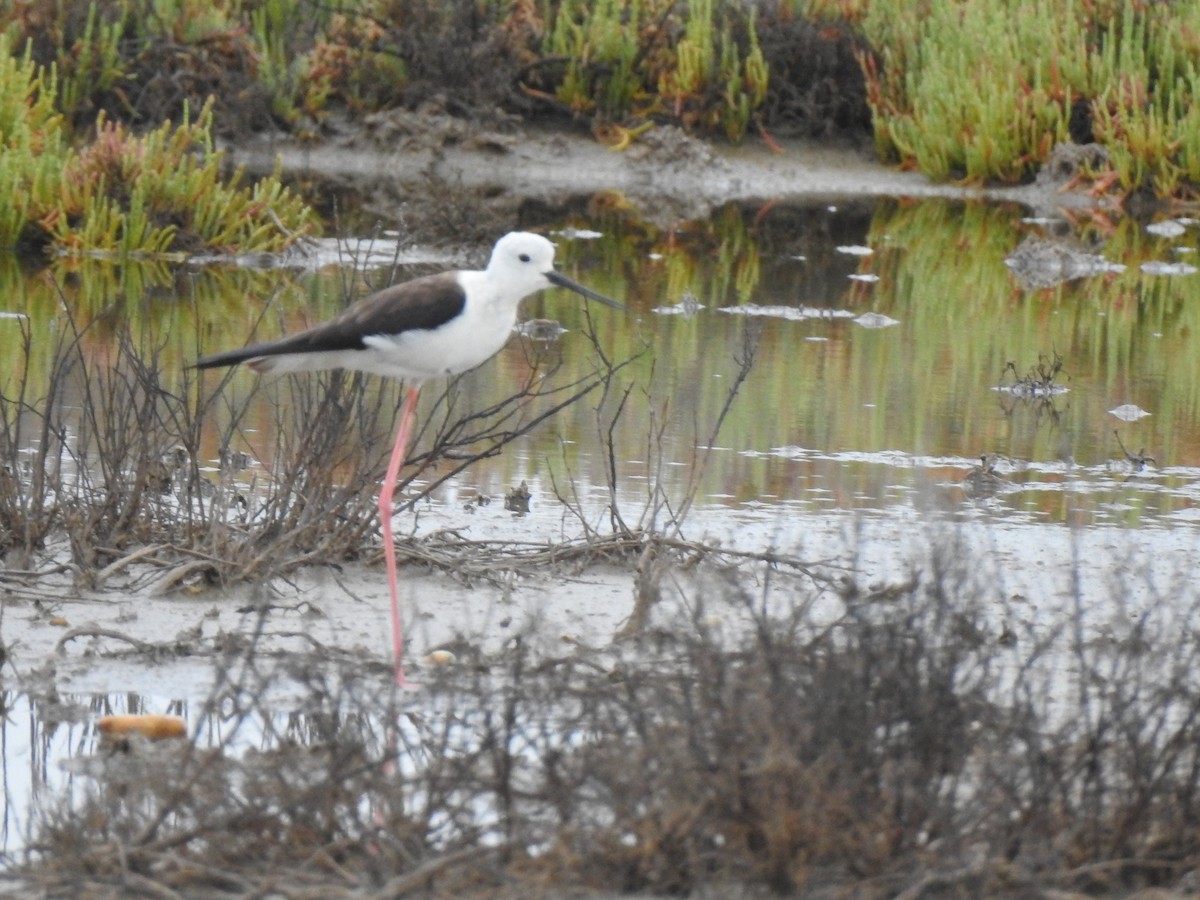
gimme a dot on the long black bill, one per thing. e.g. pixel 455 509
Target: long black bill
pixel 556 277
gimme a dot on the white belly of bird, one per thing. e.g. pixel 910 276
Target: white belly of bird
pixel 458 346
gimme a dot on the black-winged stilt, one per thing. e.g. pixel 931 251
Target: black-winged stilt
pixel 430 327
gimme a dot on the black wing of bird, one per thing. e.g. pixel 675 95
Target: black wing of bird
pixel 422 304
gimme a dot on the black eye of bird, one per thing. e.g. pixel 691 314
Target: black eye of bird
pixel 524 257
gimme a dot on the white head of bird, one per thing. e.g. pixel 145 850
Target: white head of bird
pixel 522 263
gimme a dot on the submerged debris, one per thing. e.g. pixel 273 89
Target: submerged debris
pixel 875 320
pixel 1042 263
pixel 1137 461
pixel 983 478
pixel 517 499
pixel 1167 228
pixel 1157 267
pixel 1129 412
pixel 541 329
pixel 1039 382
pixel 687 307
pixel 787 312
pixel 151 727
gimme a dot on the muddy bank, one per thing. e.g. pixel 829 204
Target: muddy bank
pixel 667 175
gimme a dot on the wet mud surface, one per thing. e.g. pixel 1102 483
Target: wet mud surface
pixel 665 174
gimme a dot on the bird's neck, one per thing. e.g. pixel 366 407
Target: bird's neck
pixel 487 297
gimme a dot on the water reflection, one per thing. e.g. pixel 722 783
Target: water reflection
pixel 866 364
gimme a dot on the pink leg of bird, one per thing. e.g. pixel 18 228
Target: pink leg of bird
pixel 385 520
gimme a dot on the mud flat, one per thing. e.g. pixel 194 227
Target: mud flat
pixel 665 173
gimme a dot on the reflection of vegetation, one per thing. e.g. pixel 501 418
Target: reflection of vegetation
pixel 144 297
pixel 820 385
pixel 930 384
pixel 1102 323
pixel 715 259
pixel 927 387
pixel 973 319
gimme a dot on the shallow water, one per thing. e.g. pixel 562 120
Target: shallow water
pixel 881 334
pixel 874 338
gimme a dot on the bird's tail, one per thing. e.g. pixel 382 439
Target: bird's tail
pixel 229 358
